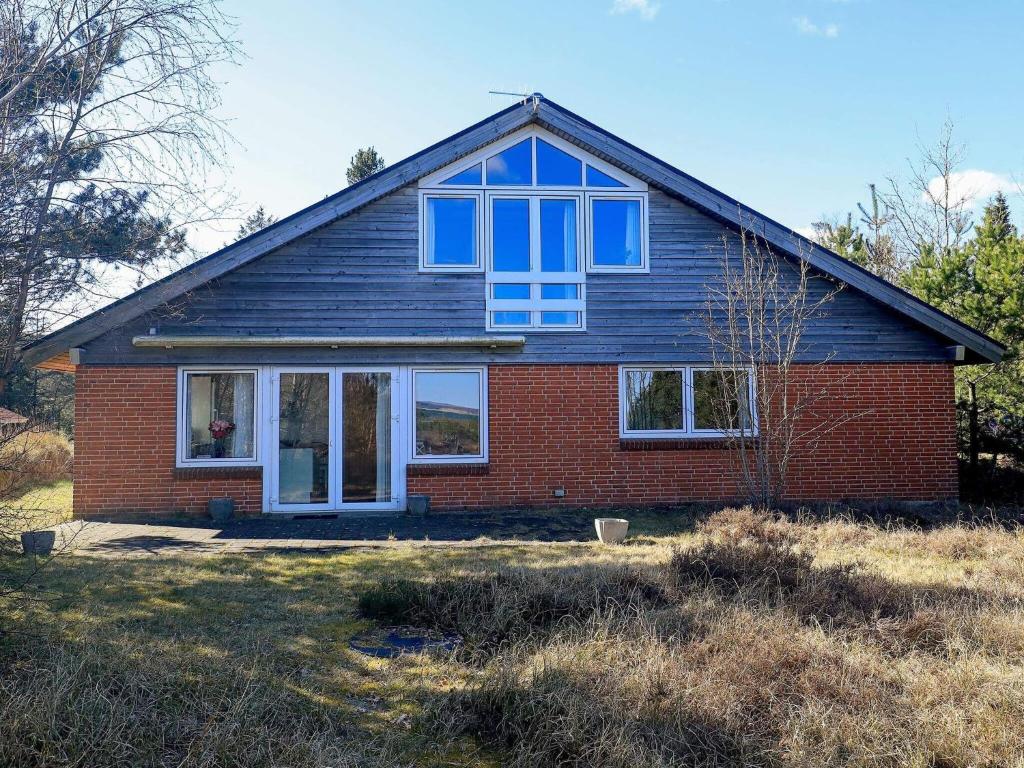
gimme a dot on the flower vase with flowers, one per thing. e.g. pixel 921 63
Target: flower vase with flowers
pixel 220 429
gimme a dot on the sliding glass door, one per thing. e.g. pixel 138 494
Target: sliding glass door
pixel 334 441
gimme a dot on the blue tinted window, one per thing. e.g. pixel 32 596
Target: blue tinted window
pixel 549 291
pixel 513 166
pixel 558 236
pixel 617 234
pixel 451 231
pixel 510 229
pixel 559 318
pixel 510 318
pixel 596 178
pixel 511 291
pixel 557 167
pixel 472 175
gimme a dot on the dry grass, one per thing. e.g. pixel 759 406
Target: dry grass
pixel 741 648
pixel 33 459
pixel 748 641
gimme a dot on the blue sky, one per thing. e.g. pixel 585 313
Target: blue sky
pixel 791 106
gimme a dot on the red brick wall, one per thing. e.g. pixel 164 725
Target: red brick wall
pixel 125 437
pixel 557 426
pixel 550 426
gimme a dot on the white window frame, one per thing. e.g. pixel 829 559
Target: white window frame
pixel 184 428
pixel 535 278
pixel 644 266
pixel 459 194
pixel 483 457
pixel 688 430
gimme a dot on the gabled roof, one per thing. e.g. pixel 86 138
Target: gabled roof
pixel 569 126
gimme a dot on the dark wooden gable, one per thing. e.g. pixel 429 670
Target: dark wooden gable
pixel 359 276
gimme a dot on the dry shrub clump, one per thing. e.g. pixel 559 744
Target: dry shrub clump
pixel 738 651
pixel 128 704
pixel 32 459
pixel 758 559
pixel 510 605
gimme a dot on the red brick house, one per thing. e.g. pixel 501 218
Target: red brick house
pixel 487 322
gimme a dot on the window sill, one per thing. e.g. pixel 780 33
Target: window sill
pixel 682 444
pixel 447 470
pixel 218 473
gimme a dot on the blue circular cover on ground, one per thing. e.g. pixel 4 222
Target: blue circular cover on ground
pixel 389 642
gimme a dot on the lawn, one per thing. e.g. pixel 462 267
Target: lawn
pixel 743 642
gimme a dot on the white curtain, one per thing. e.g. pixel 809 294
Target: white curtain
pixel 632 244
pixel 431 233
pixel 383 436
pixel 569 236
pixel 243 417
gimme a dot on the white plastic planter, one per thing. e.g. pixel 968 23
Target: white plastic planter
pixel 611 530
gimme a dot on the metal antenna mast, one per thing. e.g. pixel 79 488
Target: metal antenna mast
pixel 535 96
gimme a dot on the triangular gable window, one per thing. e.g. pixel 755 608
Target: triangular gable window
pixel 472 175
pixel 512 167
pixel 596 178
pixel 557 168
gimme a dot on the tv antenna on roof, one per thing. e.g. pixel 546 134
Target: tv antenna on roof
pixel 526 97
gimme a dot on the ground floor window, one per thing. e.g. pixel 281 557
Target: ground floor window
pixel 449 414
pixel 218 416
pixel 686 401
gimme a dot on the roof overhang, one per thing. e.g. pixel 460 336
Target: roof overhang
pixel 168 341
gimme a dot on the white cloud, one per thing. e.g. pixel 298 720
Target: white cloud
pixel 807 27
pixel 645 8
pixel 969 187
pixel 807 232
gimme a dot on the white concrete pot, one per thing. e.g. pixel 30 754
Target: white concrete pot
pixel 611 530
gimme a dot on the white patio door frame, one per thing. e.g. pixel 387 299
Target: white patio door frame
pixel 336 442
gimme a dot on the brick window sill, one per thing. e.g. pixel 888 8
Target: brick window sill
pixel 681 444
pixel 447 470
pixel 218 473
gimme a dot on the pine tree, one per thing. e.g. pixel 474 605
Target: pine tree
pixel 982 284
pixel 883 259
pixel 365 162
pixel 254 222
pixel 996 226
pixel 843 238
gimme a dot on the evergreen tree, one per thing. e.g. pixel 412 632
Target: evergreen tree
pixel 883 258
pixel 365 162
pixel 996 226
pixel 254 222
pixel 104 141
pixel 981 283
pixel 843 238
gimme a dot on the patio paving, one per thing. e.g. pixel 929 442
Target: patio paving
pixel 174 537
